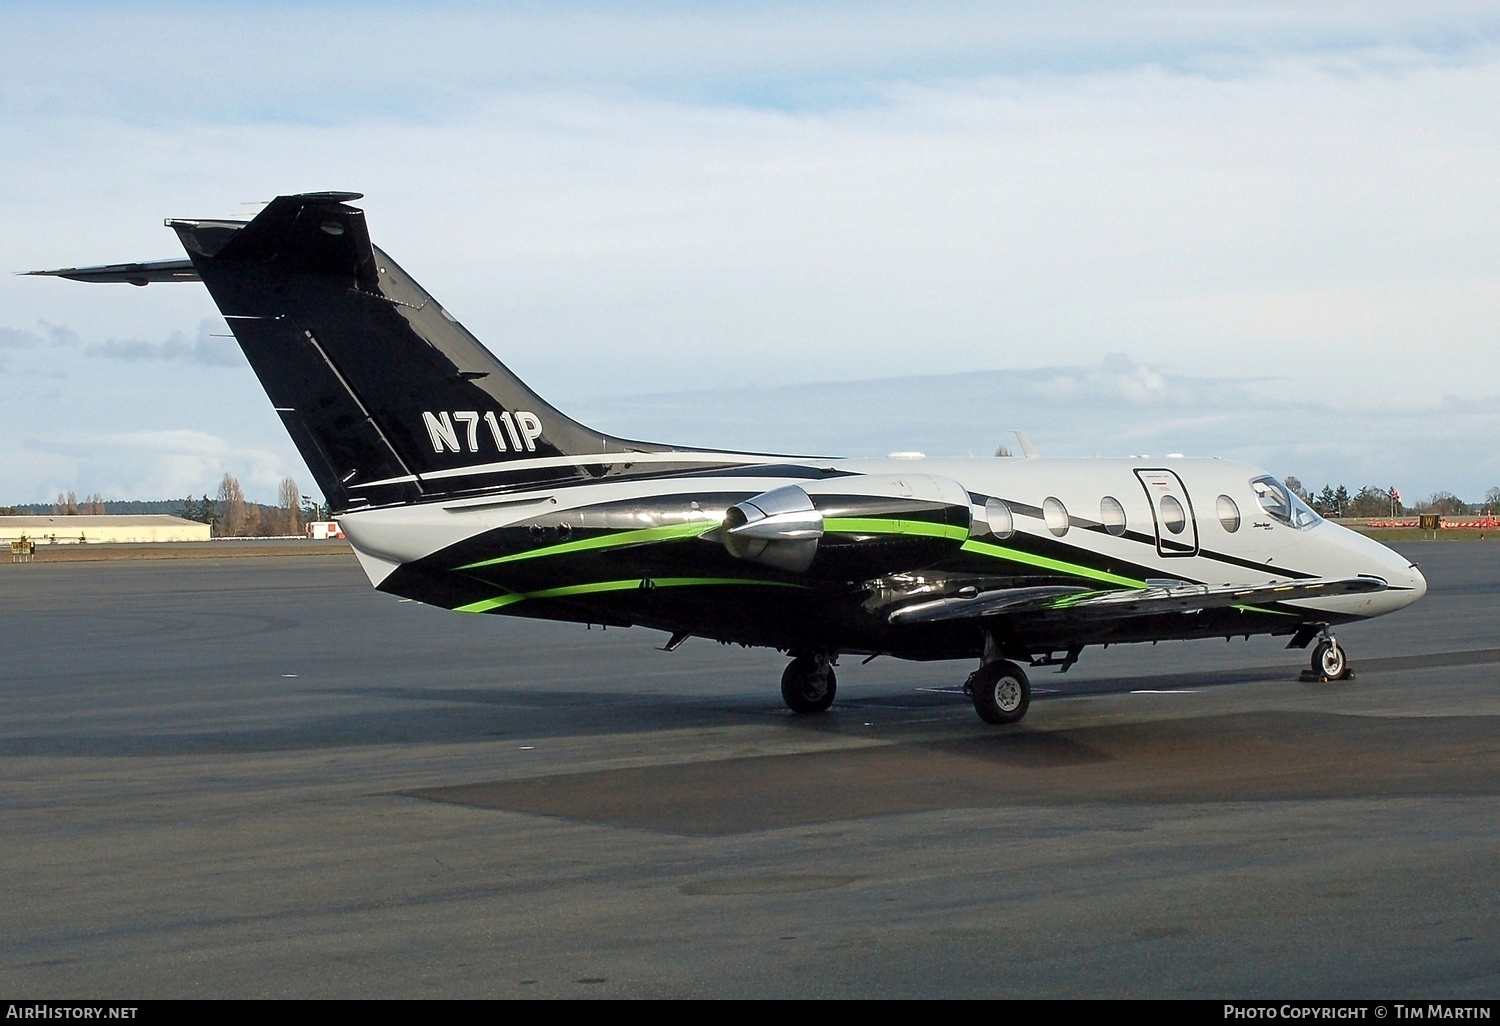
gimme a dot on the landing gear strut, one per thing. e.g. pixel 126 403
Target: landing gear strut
pixel 1000 690
pixel 808 684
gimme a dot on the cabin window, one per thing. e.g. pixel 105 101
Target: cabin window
pixel 1173 517
pixel 997 514
pixel 1112 515
pixel 1056 515
pixel 1283 504
pixel 1229 514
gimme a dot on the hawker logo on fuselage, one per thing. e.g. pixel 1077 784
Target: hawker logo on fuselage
pixel 516 432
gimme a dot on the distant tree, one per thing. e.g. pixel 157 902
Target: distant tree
pixel 1370 501
pixel 291 507
pixel 1296 486
pixel 208 513
pixel 94 504
pixel 1445 503
pixel 1492 500
pixel 66 504
pixel 254 523
pixel 313 510
pixel 1333 502
pixel 1002 450
pixel 9 511
pixel 231 508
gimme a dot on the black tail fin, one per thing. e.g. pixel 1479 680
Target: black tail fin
pixel 388 398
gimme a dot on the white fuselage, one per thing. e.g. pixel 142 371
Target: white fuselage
pixel 1259 549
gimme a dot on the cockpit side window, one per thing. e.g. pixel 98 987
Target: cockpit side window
pixel 1283 504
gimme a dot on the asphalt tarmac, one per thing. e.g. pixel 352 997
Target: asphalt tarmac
pixel 259 777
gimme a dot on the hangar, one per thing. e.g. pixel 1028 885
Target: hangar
pixel 63 529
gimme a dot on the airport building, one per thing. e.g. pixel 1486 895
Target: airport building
pixel 61 530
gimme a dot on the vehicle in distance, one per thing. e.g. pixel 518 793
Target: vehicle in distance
pixel 459 486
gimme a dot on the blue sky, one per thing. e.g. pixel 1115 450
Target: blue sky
pixel 1286 211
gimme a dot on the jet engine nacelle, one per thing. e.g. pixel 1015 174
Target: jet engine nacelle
pixel 851 528
pixel 780 528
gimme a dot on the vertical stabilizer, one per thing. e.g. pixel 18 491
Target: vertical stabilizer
pixel 388 398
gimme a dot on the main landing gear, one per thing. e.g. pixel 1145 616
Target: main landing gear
pixel 999 688
pixel 808 684
pixel 1000 691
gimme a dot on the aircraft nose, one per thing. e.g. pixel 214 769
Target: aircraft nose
pixel 1405 580
pixel 1418 583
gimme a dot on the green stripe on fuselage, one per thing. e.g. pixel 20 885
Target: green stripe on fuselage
pixel 1047 563
pixel 600 587
pixel 670 532
pixel 879 525
pixel 642 536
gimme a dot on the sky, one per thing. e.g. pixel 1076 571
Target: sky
pixel 1262 231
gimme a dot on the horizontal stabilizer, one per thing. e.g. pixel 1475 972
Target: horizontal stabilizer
pixel 309 233
pixel 130 274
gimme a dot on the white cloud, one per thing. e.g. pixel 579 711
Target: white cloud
pixel 215 348
pixel 697 198
pixel 153 464
pixel 1115 408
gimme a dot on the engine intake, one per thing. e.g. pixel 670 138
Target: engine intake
pixel 780 528
pixel 851 528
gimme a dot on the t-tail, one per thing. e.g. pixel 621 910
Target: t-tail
pixel 389 399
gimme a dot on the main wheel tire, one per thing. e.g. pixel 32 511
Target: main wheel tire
pixel 807 686
pixel 1002 693
pixel 1329 660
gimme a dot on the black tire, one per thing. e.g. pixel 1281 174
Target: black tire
pixel 807 686
pixel 1329 660
pixel 1002 693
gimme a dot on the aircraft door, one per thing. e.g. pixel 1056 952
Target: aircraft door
pixel 1172 512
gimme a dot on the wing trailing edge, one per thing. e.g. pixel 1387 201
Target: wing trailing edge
pixel 1156 597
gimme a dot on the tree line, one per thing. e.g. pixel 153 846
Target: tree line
pixel 1372 501
pixel 67 504
pixel 230 515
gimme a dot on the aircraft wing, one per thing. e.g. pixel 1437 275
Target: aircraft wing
pixel 133 274
pixel 1156 597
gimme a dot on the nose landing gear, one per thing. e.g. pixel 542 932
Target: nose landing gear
pixel 1329 661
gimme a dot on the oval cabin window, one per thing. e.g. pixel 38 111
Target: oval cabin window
pixel 997 515
pixel 1056 515
pixel 1112 515
pixel 1173 517
pixel 1229 514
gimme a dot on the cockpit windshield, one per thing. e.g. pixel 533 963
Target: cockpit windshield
pixel 1283 503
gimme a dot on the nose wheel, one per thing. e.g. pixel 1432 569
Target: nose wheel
pixel 1329 662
